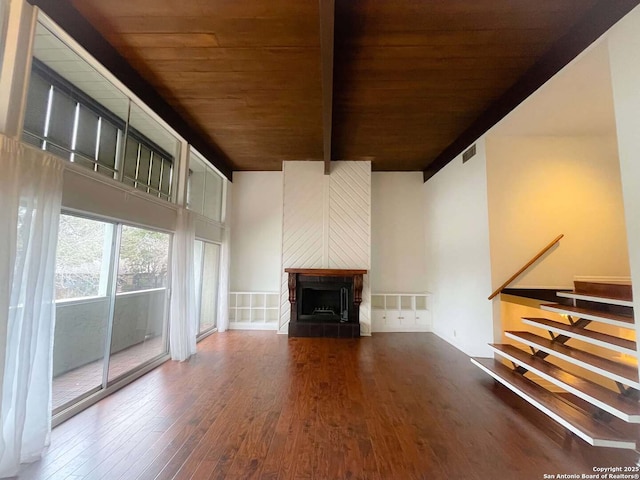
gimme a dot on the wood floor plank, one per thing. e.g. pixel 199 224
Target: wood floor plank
pixel 171 458
pixel 87 447
pixel 195 454
pixel 69 445
pixel 248 461
pixel 279 463
pixel 259 405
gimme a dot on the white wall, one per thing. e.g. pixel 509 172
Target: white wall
pixel 542 186
pixel 398 263
pixel 458 254
pixel 326 224
pixel 256 225
pixel 624 45
pixel 397 227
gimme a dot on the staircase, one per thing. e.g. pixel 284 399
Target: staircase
pixel 601 409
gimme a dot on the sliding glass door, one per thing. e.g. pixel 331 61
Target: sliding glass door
pixel 139 321
pixel 84 268
pixel 111 304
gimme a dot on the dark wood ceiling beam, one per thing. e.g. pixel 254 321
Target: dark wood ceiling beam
pixel 91 40
pixel 327 22
pixel 594 23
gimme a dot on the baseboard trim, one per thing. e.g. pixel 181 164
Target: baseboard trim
pixel 252 326
pixel 411 329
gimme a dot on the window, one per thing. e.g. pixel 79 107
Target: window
pixel 67 122
pixel 82 263
pixel 112 279
pixel 147 169
pixel 143 260
pixel 205 188
pixel 76 113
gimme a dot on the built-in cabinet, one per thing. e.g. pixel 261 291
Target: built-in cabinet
pixel 400 312
pixel 390 312
pixel 254 310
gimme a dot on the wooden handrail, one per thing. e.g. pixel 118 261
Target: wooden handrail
pixel 527 265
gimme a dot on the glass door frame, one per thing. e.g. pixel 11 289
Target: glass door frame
pixel 165 322
pixel 108 294
pixel 205 333
pixel 73 406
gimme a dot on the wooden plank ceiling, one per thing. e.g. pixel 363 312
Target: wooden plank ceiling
pixel 409 75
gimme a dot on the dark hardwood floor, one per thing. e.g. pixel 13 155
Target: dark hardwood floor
pixel 259 405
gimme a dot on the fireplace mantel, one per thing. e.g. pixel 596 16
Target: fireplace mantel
pixel 347 283
pixel 326 272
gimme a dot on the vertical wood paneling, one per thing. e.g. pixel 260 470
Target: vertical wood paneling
pixel 323 230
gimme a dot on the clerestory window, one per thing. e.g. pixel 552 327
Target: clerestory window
pixel 76 113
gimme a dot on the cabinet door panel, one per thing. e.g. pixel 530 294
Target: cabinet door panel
pixel 378 319
pixel 423 317
pixel 407 317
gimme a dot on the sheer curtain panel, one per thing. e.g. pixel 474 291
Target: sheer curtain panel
pixel 30 197
pixel 183 322
pixel 223 288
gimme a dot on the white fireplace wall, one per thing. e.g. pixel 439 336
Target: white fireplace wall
pixel 326 224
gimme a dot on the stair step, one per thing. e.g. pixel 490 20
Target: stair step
pixel 609 401
pixel 596 298
pixel 612 290
pixel 570 417
pixel 595 338
pixel 615 371
pixel 614 319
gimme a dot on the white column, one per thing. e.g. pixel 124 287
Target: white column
pixel 181 182
pixel 16 62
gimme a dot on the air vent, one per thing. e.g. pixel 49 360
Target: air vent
pixel 470 152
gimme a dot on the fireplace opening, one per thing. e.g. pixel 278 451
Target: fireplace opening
pixel 325 304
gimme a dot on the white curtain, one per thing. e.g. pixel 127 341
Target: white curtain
pixel 4 16
pixel 184 323
pixel 30 197
pixel 223 286
pixel 225 263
